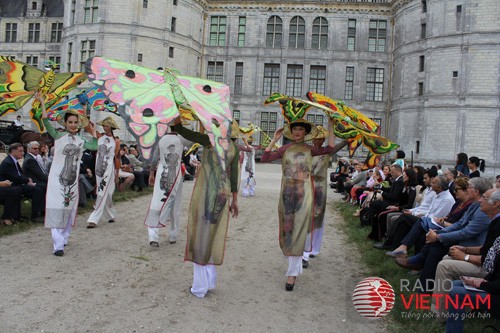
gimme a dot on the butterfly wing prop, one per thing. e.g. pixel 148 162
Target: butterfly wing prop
pixel 352 121
pixel 92 99
pixel 19 82
pixel 291 108
pixel 153 100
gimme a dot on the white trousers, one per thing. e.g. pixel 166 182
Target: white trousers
pixel 204 279
pixel 174 217
pixel 317 239
pixel 294 266
pixel 105 208
pixel 60 236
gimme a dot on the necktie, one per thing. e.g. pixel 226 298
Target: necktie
pixel 19 173
pixel 40 164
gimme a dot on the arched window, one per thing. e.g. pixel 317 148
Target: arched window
pixel 274 31
pixel 297 34
pixel 320 34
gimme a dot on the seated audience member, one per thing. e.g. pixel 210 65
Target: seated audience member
pixel 441 205
pixel 126 172
pixel 423 201
pixel 490 284
pixel 358 181
pixel 139 172
pixel 470 230
pixel 10 198
pixel 86 184
pixel 341 175
pixel 18 123
pixel 375 178
pixel 497 182
pixel 406 200
pixel 470 261
pixel 43 156
pixel 474 164
pixel 420 174
pixel 11 170
pixel 451 174
pixel 33 168
pixel 389 196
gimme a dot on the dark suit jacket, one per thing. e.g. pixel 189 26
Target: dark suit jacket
pixel 32 170
pixel 392 196
pixel 8 171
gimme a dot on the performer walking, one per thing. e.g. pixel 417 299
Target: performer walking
pixel 248 171
pixel 167 194
pixel 62 187
pixel 209 210
pixel 319 173
pixel 106 173
pixel 295 208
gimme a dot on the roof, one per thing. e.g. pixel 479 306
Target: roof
pixel 17 8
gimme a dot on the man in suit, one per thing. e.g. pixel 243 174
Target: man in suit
pixel 10 197
pixel 11 170
pixel 390 197
pixel 32 167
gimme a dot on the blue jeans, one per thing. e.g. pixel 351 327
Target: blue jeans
pixel 455 323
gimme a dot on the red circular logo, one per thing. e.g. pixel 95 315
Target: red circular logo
pixel 373 297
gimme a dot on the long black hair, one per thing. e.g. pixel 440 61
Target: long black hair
pixel 478 162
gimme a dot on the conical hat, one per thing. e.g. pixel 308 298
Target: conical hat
pixel 322 132
pixel 109 121
pixel 287 132
pixel 82 117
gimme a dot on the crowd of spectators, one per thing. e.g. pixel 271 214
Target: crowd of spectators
pixel 448 219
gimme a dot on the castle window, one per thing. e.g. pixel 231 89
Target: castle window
pixel 238 78
pixel 91 9
pixel 217 31
pixel 317 79
pixel 320 34
pixel 376 35
pixel 274 32
pixel 297 35
pixel 242 21
pixel 10 32
pixel 351 35
pixel 374 84
pixel 56 32
pixel 294 74
pixel 215 71
pixel 349 82
pixel 33 32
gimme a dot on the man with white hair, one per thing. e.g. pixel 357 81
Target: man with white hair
pixel 32 168
pixel 471 260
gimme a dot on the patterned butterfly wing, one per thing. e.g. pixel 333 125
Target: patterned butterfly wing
pixel 18 83
pixel 53 86
pixel 372 160
pixel 150 101
pixel 209 101
pixel 59 108
pixel 291 108
pixel 377 144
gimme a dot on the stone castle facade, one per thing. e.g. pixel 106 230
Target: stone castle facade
pixel 426 70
